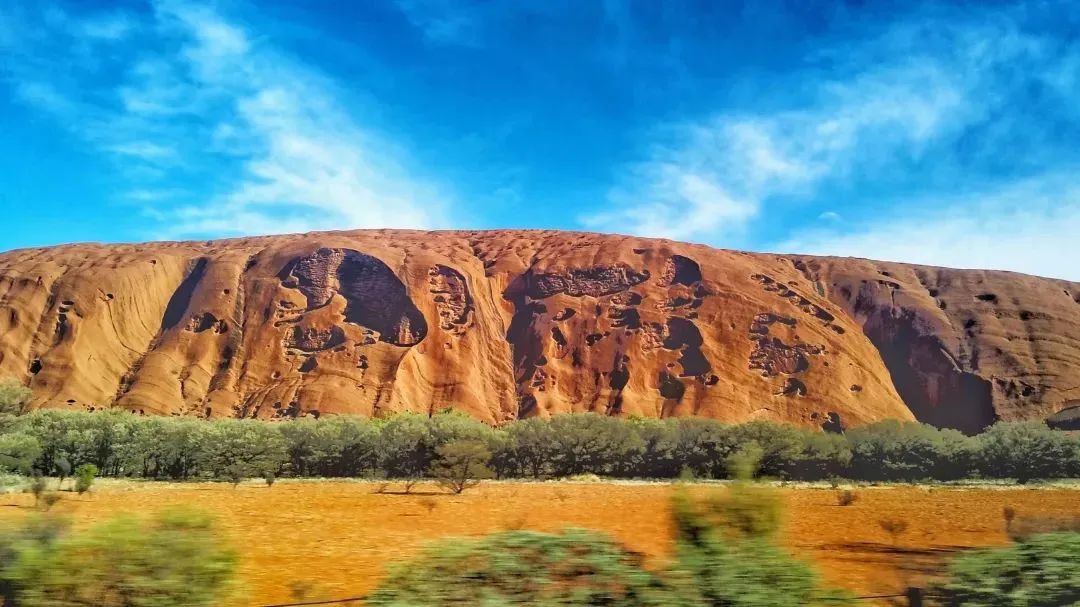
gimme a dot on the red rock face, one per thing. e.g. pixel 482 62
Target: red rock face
pixel 512 324
pixel 963 347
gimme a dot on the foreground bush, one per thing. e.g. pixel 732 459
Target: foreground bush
pixel 726 556
pixel 522 568
pixel 172 560
pixel 1040 570
pixel 726 552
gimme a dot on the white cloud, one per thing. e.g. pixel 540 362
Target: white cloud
pixel 144 150
pixel 1026 227
pixel 266 142
pixel 443 21
pixel 911 94
pixel 44 96
pixel 710 179
pixel 305 158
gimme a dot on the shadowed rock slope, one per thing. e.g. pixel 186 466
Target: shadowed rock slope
pixel 510 324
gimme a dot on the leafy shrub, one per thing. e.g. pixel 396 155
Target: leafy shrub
pixel 522 568
pixel 1040 570
pixel 171 560
pixel 846 498
pixel 84 477
pixel 894 527
pixel 18 452
pixel 428 504
pixel 726 555
pixel 461 465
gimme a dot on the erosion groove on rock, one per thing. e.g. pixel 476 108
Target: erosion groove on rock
pixel 509 324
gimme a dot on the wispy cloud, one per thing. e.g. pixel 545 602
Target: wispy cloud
pixel 109 26
pixel 444 21
pixel 268 139
pixel 709 179
pixel 1024 227
pixel 923 91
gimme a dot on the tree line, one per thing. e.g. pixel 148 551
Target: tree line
pixel 407 446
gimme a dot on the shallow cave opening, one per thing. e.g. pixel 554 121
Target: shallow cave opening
pixel 927 379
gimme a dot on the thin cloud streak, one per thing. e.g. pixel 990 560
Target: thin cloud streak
pixel 204 98
pixel 1026 227
pixel 717 175
pixel 889 103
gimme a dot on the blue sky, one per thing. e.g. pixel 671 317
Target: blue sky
pixel 933 133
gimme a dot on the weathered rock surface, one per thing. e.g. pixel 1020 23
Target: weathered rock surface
pixel 510 324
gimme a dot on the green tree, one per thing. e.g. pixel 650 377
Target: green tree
pixel 781 446
pixel 84 477
pixel 461 465
pixel 18 452
pixel 654 456
pixel 239 449
pixel 406 447
pixel 63 470
pixel 587 442
pixel 14 397
pixel 898 451
pixel 1026 451
pixel 522 568
pixel 172 560
pixel 166 447
pixel 333 447
pixel 529 450
pixel 702 446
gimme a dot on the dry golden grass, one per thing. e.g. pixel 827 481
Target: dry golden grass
pixel 335 538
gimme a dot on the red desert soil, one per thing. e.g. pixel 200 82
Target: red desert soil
pixel 509 324
pixel 339 536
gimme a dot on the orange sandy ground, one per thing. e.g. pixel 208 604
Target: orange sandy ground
pixel 338 536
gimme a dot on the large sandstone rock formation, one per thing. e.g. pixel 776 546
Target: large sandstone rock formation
pixel 512 324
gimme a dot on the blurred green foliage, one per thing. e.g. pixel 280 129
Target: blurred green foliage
pixel 1037 571
pixel 725 555
pixel 574 567
pixel 172 560
pixel 14 397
